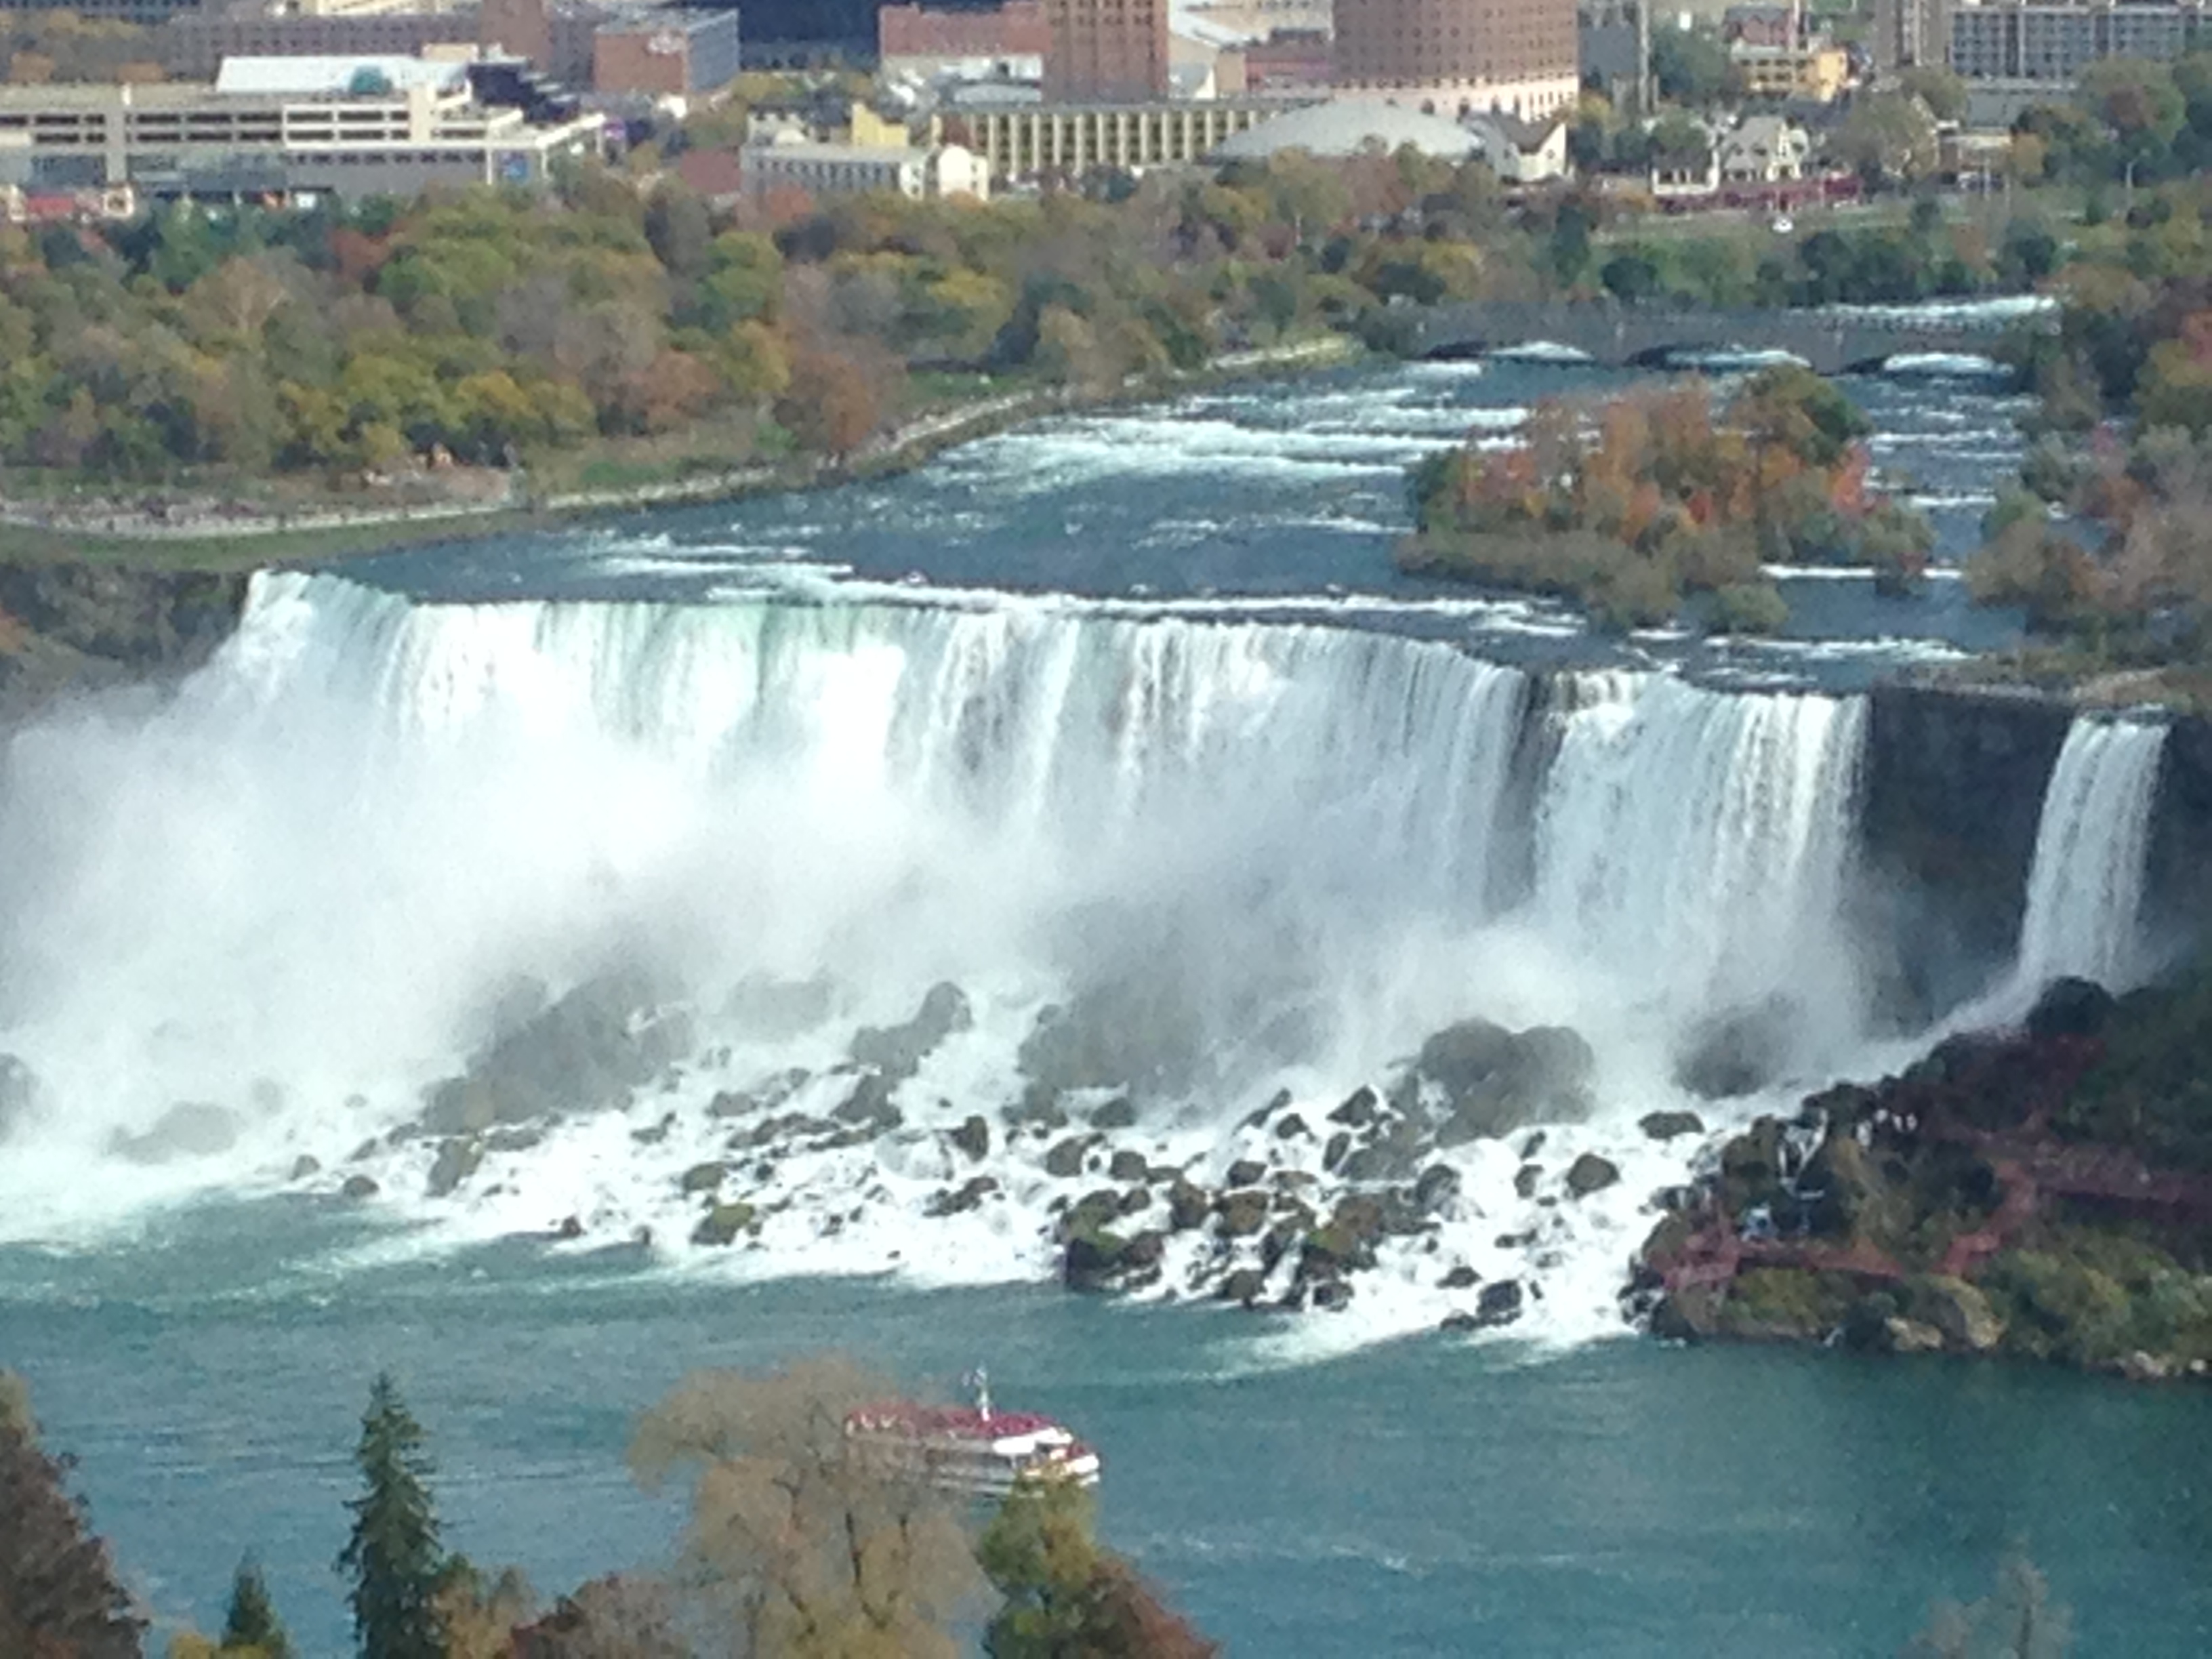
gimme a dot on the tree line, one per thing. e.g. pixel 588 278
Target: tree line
pixel 2105 538
pixel 500 328
pixel 796 1549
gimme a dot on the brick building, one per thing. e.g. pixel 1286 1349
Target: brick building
pixel 1452 56
pixel 665 53
pixel 1107 49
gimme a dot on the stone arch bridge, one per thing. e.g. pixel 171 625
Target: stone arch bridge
pixel 1618 336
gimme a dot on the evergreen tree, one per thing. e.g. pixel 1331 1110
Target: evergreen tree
pixel 393 1556
pixel 252 1626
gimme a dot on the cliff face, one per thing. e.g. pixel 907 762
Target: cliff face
pixel 65 625
pixel 1951 796
pixel 2178 891
pixel 1951 799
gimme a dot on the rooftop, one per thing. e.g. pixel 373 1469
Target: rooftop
pixel 335 77
pixel 1349 125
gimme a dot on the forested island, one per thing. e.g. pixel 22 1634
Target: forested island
pixel 1632 504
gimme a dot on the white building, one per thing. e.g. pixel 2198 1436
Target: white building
pixel 863 169
pixel 272 127
pixel 1763 149
pixel 1520 152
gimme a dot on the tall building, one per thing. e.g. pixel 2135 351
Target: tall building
pixel 1451 57
pixel 1107 49
pixel 2051 44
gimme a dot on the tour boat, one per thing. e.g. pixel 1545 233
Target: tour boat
pixel 971 1450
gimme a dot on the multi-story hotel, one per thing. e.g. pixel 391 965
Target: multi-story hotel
pixel 2052 41
pixel 1454 56
pixel 1106 49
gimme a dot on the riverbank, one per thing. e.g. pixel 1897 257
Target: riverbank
pixel 208 535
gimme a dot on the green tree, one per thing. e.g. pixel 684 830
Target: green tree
pixel 1691 66
pixel 393 1557
pixel 252 1625
pixel 1066 1596
pixel 1943 92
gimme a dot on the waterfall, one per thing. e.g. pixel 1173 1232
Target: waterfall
pixel 1699 837
pixel 2085 887
pixel 300 891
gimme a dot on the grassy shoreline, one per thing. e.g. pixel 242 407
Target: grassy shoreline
pixel 254 543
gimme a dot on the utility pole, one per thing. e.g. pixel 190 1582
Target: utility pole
pixel 1642 60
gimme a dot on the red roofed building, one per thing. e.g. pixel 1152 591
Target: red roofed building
pixel 1010 40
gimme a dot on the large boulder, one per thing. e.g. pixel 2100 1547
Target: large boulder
pixel 896 1051
pixel 1498 1303
pixel 1495 1081
pixel 1134 1032
pixel 594 1048
pixel 1666 1125
pixel 1242 1213
pixel 1739 1052
pixel 1096 1260
pixel 2071 1008
pixel 1066 1158
pixel 458 1159
pixel 723 1223
pixel 1591 1173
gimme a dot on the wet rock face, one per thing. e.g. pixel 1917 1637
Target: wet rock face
pixel 896 1052
pixel 594 1048
pixel 1136 1032
pixel 1495 1081
pixel 1952 794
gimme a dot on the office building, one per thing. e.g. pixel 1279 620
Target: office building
pixel 273 128
pixel 2050 44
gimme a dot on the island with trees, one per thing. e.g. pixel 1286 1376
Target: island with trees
pixel 1633 504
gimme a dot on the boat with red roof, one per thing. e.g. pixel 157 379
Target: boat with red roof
pixel 975 1451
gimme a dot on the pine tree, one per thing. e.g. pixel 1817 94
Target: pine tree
pixel 252 1626
pixel 393 1556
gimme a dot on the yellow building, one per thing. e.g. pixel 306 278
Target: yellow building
pixel 1022 142
pixel 1817 72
